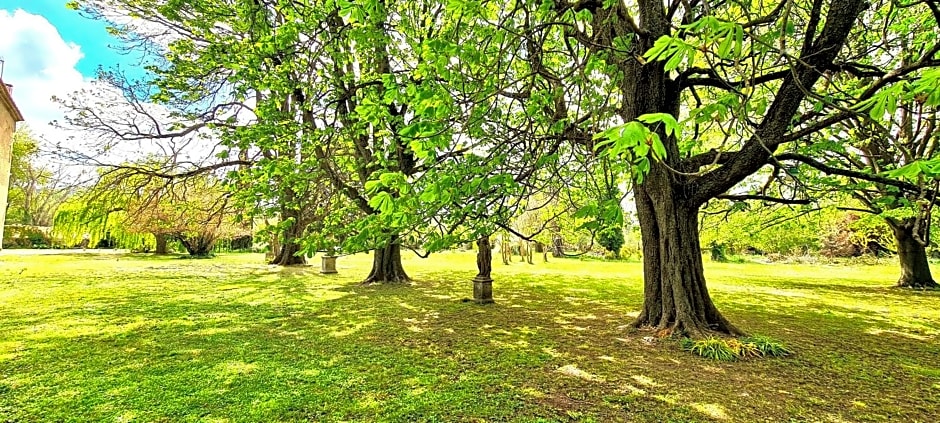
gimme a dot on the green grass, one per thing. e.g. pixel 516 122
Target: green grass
pixel 137 338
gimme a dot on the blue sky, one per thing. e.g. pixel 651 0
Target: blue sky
pixel 51 51
pixel 91 36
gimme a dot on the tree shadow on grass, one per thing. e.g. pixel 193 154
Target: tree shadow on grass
pixel 298 346
pixel 849 289
pixel 390 351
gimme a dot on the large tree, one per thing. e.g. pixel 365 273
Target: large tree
pixel 687 69
pixel 897 137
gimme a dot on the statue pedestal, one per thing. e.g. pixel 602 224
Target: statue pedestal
pixel 482 290
pixel 328 265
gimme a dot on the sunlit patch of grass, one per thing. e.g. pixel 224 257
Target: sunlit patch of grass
pixel 110 337
pixel 715 411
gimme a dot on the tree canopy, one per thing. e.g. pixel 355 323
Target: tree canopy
pixel 436 123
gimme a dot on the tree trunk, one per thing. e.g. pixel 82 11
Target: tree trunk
pixel 915 269
pixel 558 246
pixel 676 300
pixel 199 245
pixel 289 246
pixel 289 238
pixel 161 244
pixel 386 265
pixel 287 255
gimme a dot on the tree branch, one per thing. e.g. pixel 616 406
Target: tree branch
pixel 743 197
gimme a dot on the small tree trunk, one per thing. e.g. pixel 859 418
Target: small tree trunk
pixel 915 269
pixel 676 300
pixel 505 249
pixel 161 244
pixel 528 252
pixel 274 247
pixel 558 246
pixel 386 265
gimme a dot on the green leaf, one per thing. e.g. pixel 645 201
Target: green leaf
pixel 586 211
pixel 671 125
pixel 724 49
pixel 383 202
pixel 373 186
pixel 659 150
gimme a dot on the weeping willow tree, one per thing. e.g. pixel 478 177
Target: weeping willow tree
pixel 105 227
pixel 132 207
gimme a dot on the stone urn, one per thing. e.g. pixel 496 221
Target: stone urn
pixel 328 264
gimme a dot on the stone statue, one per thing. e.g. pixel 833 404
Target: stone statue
pixel 482 283
pixel 484 257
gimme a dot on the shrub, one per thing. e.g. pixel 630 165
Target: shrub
pixel 767 346
pixel 611 238
pixel 734 349
pixel 713 348
pixel 25 236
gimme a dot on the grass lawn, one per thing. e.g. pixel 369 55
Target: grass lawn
pixel 137 338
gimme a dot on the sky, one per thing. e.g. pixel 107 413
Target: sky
pixel 50 50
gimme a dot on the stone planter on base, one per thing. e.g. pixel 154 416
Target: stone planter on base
pixel 482 290
pixel 328 265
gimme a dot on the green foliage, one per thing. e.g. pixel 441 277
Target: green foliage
pixel 636 143
pixel 35 189
pixel 738 228
pixel 767 346
pixel 76 217
pixel 718 252
pixel 25 236
pixel 611 238
pixel 731 349
pixel 713 348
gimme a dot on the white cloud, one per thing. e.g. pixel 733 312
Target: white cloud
pixel 39 64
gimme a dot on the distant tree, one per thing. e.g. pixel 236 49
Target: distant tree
pixel 194 211
pixel 36 190
pixel 896 138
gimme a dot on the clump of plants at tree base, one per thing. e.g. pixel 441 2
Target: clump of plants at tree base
pixel 733 349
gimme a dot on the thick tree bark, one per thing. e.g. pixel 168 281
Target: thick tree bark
pixel 915 269
pixel 676 300
pixel 200 245
pixel 287 255
pixel 386 265
pixel 161 244
pixel 289 246
pixel 289 241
